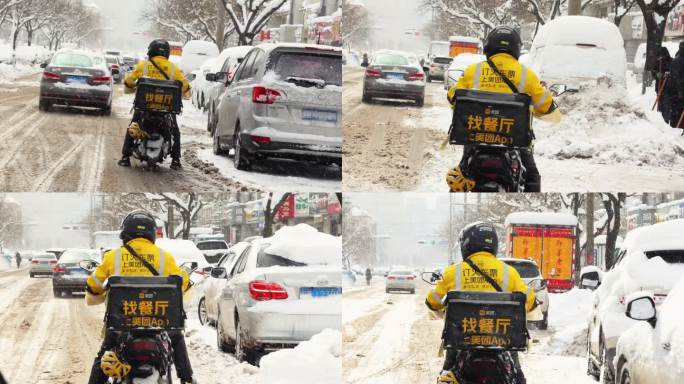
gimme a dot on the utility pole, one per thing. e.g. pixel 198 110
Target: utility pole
pixel 169 222
pixel 574 7
pixel 292 11
pixel 220 24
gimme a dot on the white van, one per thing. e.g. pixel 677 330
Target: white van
pixel 195 53
pixel 572 50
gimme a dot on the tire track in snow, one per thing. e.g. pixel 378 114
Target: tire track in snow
pixel 43 182
pixel 91 170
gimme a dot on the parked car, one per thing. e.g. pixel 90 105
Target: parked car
pixel 528 271
pixel 186 253
pixel 68 276
pixel 195 53
pixel 393 75
pixel 212 250
pixel 436 67
pixel 285 101
pixel 572 50
pixel 458 66
pixel 42 264
pixel 273 299
pixel 649 352
pixel 199 82
pixel 226 63
pixel 213 286
pixel 116 67
pixel 651 258
pixel 400 280
pixel 129 62
pixel 76 78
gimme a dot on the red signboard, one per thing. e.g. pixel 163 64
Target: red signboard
pixel 287 210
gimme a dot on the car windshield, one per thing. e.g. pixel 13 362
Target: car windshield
pixel 442 60
pixel 390 59
pixel 268 260
pixel 309 66
pixel 525 270
pixel 205 245
pixel 74 256
pixel 670 257
pixel 400 273
pixel 72 60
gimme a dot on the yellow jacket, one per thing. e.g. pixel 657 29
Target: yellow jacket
pixel 119 262
pixel 481 77
pixel 460 277
pixel 146 69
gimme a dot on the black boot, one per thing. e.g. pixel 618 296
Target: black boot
pixel 176 164
pixel 125 162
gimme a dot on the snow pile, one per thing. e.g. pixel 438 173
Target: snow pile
pixel 568 318
pixel 314 361
pixel 9 73
pixel 304 244
pixel 602 123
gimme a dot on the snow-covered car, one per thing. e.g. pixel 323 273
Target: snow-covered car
pixel 213 286
pixel 42 264
pixel 529 271
pixel 77 78
pixel 458 67
pixel 572 50
pixel 200 83
pixel 282 290
pixel 400 280
pixel 195 53
pixel 393 75
pixel 68 276
pixel 218 78
pixel 436 67
pixel 651 259
pixel 652 351
pixel 212 250
pixel 285 101
pixel 185 252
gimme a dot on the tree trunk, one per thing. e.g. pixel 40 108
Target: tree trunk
pixel 614 203
pixel 169 222
pixel 220 25
pixel 574 7
pixel 589 229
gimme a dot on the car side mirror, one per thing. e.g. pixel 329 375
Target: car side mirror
pixel 222 77
pixel 426 69
pixel 115 71
pixel 218 273
pixel 207 270
pixel 43 65
pixel 642 308
pixel 431 277
pixel 88 265
pixel 210 77
pixel 537 284
pixel 590 280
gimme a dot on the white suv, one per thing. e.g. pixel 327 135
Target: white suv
pixel 651 259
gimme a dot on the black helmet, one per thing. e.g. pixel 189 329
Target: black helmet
pixel 159 47
pixel 478 237
pixel 503 39
pixel 138 224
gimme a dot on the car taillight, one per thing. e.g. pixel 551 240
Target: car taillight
pixel 53 261
pixel 410 277
pixel 433 65
pixel 51 76
pixel 373 73
pixel 261 139
pixel 99 80
pixel 266 290
pixel 58 269
pixel 391 277
pixel 34 261
pixel 416 76
pixel 262 95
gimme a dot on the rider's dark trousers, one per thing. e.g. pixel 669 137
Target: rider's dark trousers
pixel 180 358
pixel 127 149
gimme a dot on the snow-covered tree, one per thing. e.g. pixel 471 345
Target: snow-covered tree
pixel 358 236
pixel 249 17
pixel 187 205
pixel 355 22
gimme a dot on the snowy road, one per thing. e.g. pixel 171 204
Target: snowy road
pixel 391 338
pixel 395 146
pixel 48 340
pixel 76 151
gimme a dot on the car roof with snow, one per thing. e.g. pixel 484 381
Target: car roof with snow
pixel 303 243
pixel 657 237
pixel 573 30
pixel 268 47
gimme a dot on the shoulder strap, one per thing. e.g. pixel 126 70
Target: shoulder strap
pixel 489 279
pixel 160 70
pixel 504 78
pixel 143 261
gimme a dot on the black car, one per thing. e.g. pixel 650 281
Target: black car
pixel 68 276
pixel 77 78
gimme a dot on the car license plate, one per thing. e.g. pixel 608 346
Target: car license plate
pixel 320 291
pixel 76 80
pixel 395 76
pixel 317 115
